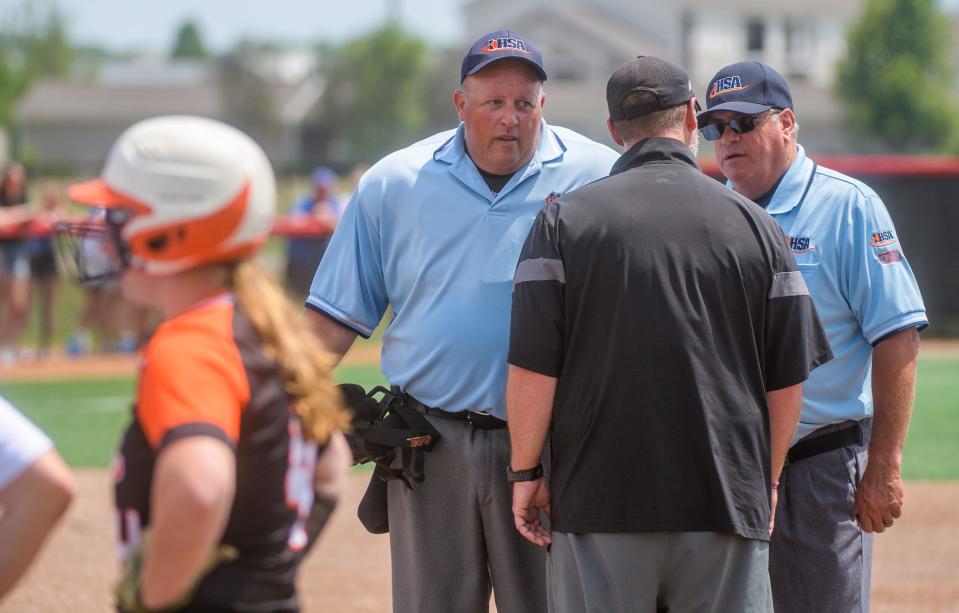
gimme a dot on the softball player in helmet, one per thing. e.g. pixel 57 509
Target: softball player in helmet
pixel 230 464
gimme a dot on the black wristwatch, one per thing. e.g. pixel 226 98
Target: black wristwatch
pixel 530 474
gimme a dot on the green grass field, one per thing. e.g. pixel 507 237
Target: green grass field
pixel 85 417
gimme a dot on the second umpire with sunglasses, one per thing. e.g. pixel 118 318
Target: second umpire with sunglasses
pixel 857 406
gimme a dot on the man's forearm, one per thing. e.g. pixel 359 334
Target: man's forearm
pixel 529 407
pixel 334 337
pixel 894 363
pixel 785 405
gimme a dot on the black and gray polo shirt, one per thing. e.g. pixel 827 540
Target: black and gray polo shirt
pixel 667 306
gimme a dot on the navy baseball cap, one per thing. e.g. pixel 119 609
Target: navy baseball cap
pixel 501 45
pixel 747 87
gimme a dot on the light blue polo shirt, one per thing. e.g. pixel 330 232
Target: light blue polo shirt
pixel 860 281
pixel 424 233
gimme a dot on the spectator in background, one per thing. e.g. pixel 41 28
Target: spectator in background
pixel 43 269
pixel 35 490
pixel 14 262
pixel 303 255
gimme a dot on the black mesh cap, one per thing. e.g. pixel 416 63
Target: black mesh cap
pixel 667 81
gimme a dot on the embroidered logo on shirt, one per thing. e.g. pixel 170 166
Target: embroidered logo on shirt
pixel 801 244
pixel 882 239
pixel 551 198
pixel 889 257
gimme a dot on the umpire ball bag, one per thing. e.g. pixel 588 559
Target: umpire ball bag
pixel 379 429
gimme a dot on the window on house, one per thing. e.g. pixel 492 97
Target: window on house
pixel 755 35
pixel 799 46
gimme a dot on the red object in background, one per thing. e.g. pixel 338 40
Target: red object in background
pixel 32 228
pixel 294 225
pixel 306 226
pixel 301 226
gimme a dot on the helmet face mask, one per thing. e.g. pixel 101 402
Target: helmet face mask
pixel 91 251
pixel 191 191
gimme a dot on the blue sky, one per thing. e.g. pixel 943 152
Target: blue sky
pixel 150 24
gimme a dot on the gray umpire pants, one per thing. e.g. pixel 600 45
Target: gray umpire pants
pixel 646 572
pixel 452 537
pixel 819 559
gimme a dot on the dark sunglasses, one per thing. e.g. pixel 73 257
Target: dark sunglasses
pixel 740 124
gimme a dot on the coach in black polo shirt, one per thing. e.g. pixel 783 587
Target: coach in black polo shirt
pixel 660 334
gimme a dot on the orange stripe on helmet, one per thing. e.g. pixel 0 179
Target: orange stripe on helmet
pixel 197 240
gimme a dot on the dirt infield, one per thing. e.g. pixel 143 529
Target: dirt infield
pixel 916 563
pixel 916 568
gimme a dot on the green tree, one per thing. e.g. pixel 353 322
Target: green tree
pixel 373 101
pixel 188 44
pixel 33 44
pixel 896 78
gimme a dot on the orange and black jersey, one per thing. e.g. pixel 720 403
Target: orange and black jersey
pixel 205 374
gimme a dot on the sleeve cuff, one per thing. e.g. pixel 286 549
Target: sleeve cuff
pixel 196 428
pixel 918 326
pixel 540 366
pixel 911 320
pixel 338 317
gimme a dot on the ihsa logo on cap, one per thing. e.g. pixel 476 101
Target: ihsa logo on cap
pixel 727 85
pixel 505 44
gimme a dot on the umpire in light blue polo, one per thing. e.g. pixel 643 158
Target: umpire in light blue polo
pixel 843 481
pixel 435 231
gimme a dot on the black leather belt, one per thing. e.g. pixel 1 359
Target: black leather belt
pixel 481 420
pixel 837 439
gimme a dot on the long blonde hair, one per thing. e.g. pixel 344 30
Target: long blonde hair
pixel 287 338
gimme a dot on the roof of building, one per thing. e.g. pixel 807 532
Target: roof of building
pixel 51 101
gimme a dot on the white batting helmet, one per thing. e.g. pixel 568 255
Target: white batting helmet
pixel 195 190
